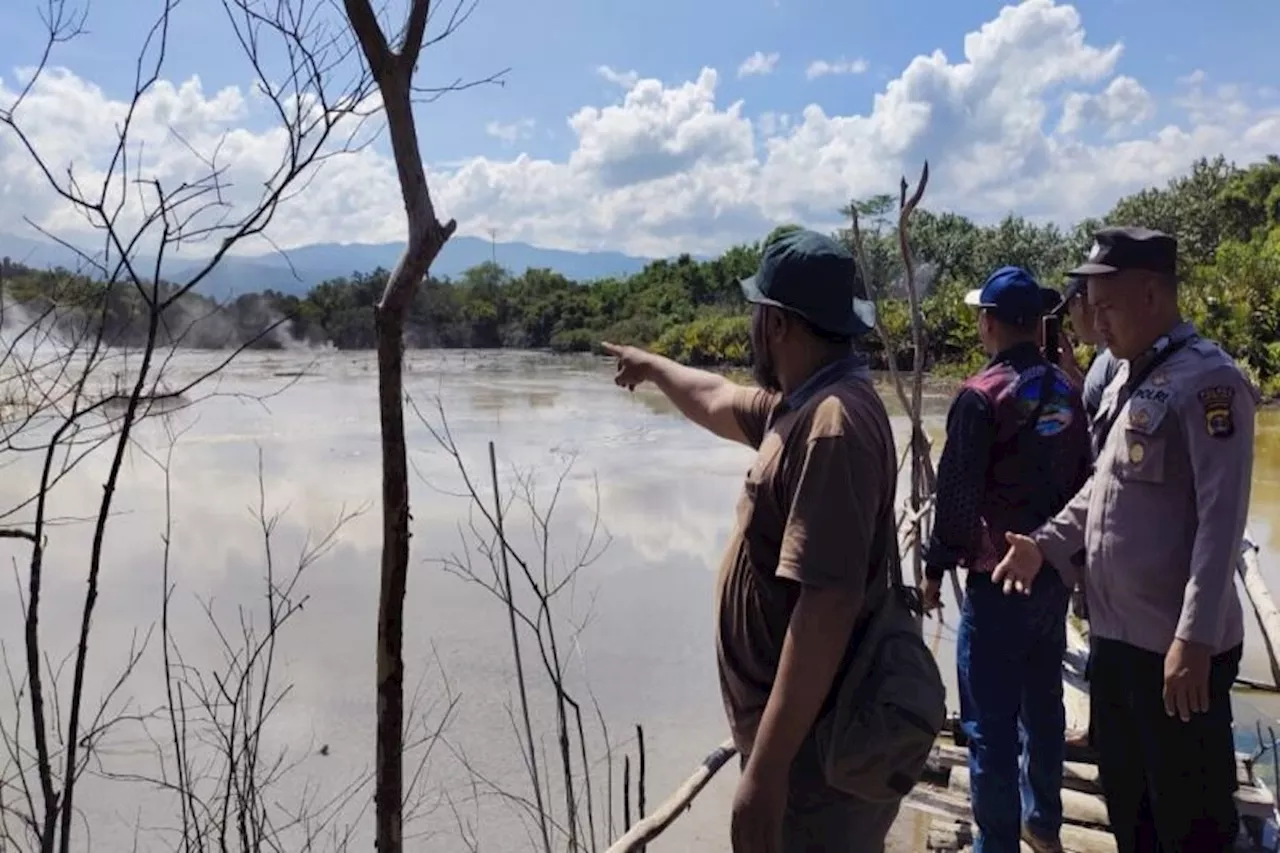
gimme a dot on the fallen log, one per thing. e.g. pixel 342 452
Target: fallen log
pixel 1076 775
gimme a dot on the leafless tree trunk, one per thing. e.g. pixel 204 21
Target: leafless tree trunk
pixel 393 70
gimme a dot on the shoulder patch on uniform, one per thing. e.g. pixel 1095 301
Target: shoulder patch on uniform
pixel 1056 414
pixel 1219 420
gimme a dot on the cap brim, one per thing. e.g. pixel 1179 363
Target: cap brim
pixel 974 299
pixel 860 321
pixel 751 293
pixel 1093 269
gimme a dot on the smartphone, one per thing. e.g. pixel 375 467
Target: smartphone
pixel 1052 335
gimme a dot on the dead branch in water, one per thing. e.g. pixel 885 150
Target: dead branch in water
pixel 133 210
pixel 515 650
pixel 393 69
pixel 530 585
pixel 209 736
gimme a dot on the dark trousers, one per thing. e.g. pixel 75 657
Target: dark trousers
pixel 1009 666
pixel 1169 785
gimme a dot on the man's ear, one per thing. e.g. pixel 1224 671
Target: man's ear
pixel 776 323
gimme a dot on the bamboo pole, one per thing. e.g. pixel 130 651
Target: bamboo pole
pixel 1264 607
pixel 649 828
pixel 919 446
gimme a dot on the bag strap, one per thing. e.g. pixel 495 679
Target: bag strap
pixel 885 589
pixel 1133 383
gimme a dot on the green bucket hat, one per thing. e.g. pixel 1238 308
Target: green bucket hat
pixel 817 277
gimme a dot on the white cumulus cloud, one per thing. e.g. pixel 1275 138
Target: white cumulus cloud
pixel 823 67
pixel 510 132
pixel 1031 118
pixel 1122 104
pixel 758 63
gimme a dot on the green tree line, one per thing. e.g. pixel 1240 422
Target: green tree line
pixel 1226 217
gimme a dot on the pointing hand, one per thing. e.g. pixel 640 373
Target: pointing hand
pixel 633 364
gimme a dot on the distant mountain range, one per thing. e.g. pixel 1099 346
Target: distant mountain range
pixel 237 274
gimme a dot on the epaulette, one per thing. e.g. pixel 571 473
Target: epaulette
pixel 1206 347
pixel 1210 349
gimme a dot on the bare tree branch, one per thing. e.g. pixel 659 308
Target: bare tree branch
pixel 106 371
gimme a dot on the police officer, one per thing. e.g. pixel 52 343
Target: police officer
pixel 1104 365
pixel 1160 523
pixel 1017 449
pixel 1092 383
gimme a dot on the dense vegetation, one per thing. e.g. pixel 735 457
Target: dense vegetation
pixel 1227 220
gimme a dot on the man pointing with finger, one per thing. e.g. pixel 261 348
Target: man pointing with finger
pixel 1160 524
pixel 815 535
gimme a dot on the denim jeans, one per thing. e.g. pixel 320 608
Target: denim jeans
pixel 1009 662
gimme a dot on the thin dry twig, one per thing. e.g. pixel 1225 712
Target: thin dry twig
pixel 86 389
pixel 545 578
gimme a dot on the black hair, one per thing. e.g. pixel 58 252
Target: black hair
pixel 1029 328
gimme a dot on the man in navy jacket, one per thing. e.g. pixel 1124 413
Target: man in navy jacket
pixel 1017 449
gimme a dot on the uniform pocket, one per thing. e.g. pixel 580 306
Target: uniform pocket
pixel 1142 459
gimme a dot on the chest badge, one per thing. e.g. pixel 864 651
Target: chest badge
pixel 1137 453
pixel 1140 418
pixel 1160 379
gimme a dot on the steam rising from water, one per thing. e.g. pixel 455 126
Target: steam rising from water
pixel 926 276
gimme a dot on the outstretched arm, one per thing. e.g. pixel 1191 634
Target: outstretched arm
pixel 1061 538
pixel 711 401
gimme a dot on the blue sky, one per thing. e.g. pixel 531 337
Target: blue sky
pixel 555 48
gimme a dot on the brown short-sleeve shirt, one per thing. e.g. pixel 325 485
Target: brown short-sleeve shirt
pixel 816 508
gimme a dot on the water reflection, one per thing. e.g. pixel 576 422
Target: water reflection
pixel 664 492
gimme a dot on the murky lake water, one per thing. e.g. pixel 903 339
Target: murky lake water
pixel 664 492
